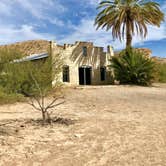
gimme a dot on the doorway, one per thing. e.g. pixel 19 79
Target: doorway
pixel 85 75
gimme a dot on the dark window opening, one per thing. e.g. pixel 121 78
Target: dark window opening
pixel 84 49
pixel 103 73
pixel 65 73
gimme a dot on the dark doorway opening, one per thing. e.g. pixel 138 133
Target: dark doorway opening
pixel 85 75
pixel 103 73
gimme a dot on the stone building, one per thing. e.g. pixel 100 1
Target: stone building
pixel 84 63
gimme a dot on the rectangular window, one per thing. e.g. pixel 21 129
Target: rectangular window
pixel 65 73
pixel 103 73
pixel 84 50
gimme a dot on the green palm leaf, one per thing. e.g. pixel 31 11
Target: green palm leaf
pixel 133 68
pixel 127 17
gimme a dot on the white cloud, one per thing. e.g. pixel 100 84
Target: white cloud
pixel 93 2
pixel 154 33
pixel 56 21
pixel 46 10
pixel 87 32
pixel 39 8
pixel 164 6
pixel 25 32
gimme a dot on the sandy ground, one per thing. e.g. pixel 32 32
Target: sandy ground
pixel 113 126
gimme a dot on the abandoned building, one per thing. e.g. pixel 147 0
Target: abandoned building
pixel 84 63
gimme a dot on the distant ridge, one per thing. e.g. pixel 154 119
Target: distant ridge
pixel 29 47
pixel 159 59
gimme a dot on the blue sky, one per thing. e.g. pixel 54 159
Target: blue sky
pixel 67 21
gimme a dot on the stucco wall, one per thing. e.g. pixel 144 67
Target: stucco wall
pixel 74 58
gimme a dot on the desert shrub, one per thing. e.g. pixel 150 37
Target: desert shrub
pixel 22 77
pixel 6 98
pixel 16 77
pixel 161 71
pixel 6 58
pixel 13 77
pixel 32 79
pixel 133 67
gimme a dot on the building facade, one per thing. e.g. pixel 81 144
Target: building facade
pixel 84 63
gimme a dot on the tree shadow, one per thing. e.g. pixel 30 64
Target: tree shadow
pixel 54 120
pixel 12 127
pixel 93 57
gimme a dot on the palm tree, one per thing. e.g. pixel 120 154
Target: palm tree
pixel 125 17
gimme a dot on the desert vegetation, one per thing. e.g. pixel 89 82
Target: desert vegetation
pixel 133 68
pixel 161 70
pixel 29 81
pixel 125 19
pixel 7 95
pixel 29 47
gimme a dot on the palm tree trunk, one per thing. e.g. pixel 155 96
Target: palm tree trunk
pixel 128 32
pixel 128 39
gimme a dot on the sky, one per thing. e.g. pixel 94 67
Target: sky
pixel 67 21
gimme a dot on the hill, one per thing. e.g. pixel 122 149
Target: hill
pixel 29 47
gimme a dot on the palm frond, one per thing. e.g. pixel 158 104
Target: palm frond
pixel 133 68
pixel 128 16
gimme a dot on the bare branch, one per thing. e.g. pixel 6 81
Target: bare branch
pixel 33 105
pixel 37 85
pixel 55 105
pixel 55 99
pixel 38 101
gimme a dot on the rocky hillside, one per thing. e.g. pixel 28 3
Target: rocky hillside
pixel 30 47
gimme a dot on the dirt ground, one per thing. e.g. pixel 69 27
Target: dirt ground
pixel 112 126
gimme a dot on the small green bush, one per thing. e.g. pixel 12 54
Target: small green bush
pixel 6 98
pixel 161 70
pixel 20 77
pixel 133 67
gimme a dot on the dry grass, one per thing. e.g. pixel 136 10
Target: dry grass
pixel 30 47
pixel 113 126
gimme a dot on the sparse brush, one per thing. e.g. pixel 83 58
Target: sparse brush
pixel 161 71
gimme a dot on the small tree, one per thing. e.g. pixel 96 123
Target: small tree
pixel 33 79
pixel 41 76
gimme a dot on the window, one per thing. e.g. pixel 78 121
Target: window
pixel 84 50
pixel 103 73
pixel 65 73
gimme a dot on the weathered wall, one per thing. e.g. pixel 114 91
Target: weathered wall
pixel 74 58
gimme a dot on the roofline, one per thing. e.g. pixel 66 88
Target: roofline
pixel 32 57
